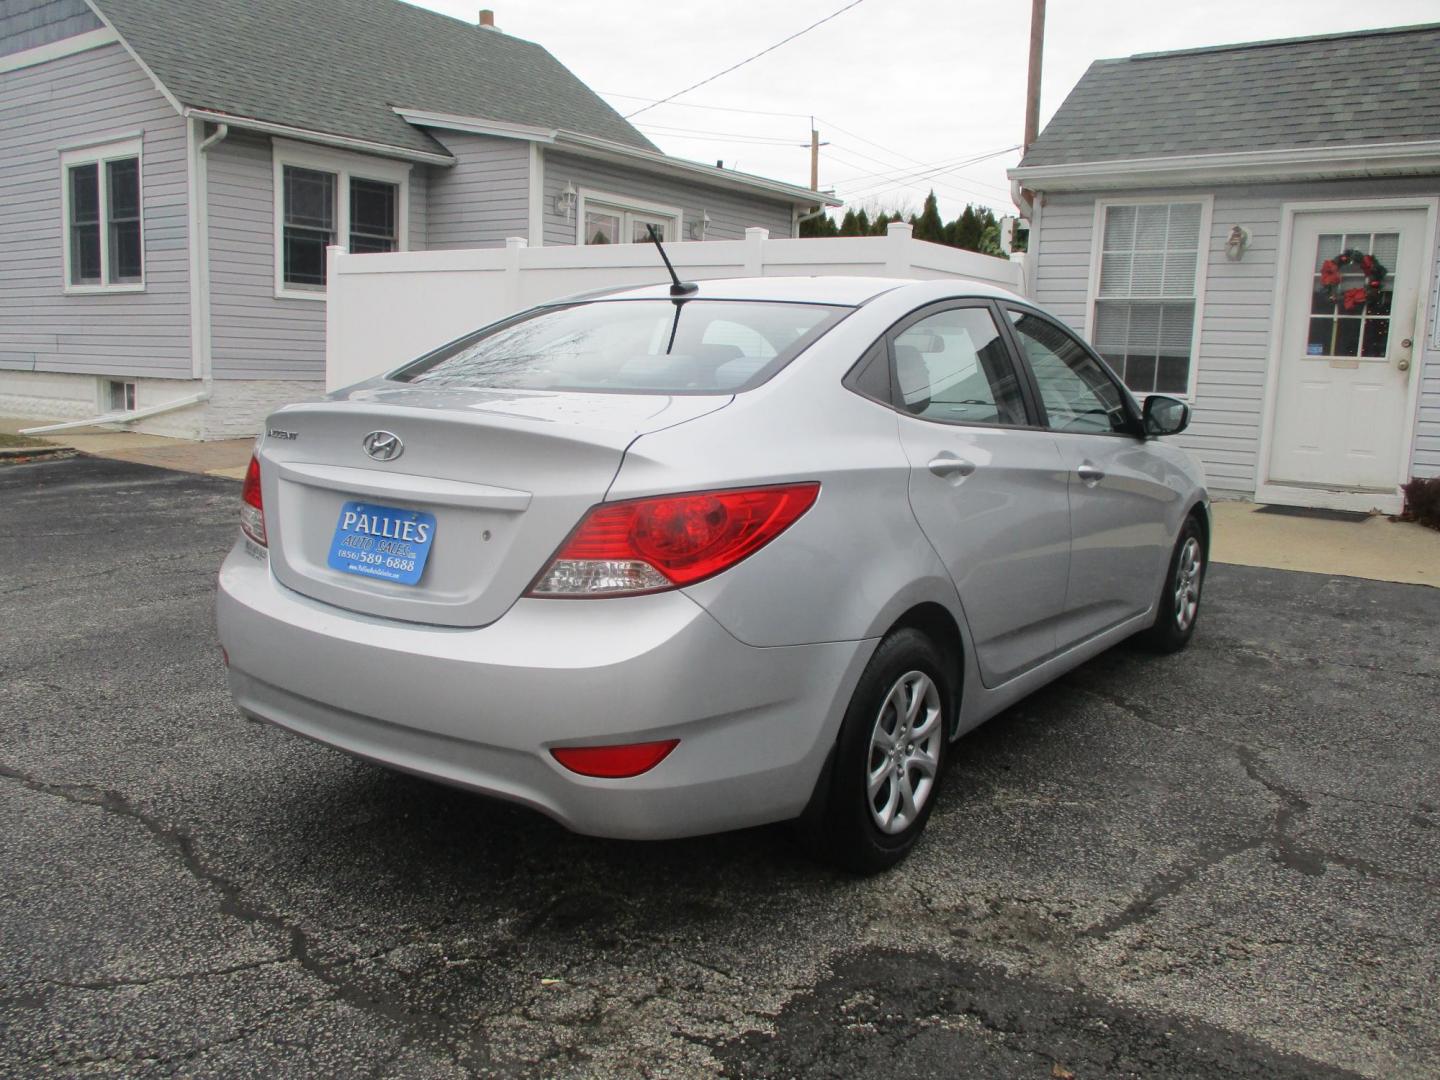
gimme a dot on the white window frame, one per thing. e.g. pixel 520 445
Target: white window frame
pixel 1202 264
pixel 627 206
pixel 99 154
pixel 344 166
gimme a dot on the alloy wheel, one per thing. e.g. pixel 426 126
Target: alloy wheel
pixel 904 752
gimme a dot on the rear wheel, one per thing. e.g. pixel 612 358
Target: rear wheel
pixel 1179 605
pixel 889 756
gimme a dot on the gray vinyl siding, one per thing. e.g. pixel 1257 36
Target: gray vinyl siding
pixel 484 197
pixel 1236 316
pixel 731 212
pixel 28 24
pixel 253 333
pixel 93 96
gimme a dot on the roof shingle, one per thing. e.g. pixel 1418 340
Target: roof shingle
pixel 1377 86
pixel 341 66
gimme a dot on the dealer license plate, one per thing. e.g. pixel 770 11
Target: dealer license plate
pixel 382 542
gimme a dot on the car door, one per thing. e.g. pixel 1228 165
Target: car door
pixel 987 484
pixel 1120 501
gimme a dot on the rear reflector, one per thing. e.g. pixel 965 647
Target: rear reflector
pixel 252 506
pixel 648 545
pixel 614 762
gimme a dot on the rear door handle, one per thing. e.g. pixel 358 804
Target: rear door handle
pixel 947 464
pixel 1090 475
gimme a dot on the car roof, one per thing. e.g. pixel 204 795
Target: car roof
pixel 820 289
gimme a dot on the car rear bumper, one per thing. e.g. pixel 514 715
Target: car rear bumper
pixel 480 708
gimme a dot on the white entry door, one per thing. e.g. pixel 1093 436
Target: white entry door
pixel 1342 404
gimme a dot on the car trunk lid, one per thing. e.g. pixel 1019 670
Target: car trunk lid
pixel 505 475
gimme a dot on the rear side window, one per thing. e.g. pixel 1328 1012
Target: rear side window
pixel 631 346
pixel 953 366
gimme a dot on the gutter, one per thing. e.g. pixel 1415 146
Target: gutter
pixel 122 417
pixel 1315 162
pixel 573 142
pixel 323 138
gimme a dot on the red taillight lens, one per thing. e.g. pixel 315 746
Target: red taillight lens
pixel 252 506
pixel 614 762
pixel 646 545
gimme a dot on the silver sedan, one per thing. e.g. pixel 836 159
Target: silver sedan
pixel 671 561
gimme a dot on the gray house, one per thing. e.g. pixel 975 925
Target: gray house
pixel 1253 228
pixel 173 173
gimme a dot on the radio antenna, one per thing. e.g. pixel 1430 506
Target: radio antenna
pixel 679 288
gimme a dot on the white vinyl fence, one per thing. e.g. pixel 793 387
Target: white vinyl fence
pixel 385 309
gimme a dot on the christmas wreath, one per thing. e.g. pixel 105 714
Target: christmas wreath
pixel 1351 261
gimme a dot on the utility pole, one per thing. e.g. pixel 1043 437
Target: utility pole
pixel 814 157
pixel 1032 96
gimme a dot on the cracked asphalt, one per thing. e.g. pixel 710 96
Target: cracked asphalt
pixel 1221 864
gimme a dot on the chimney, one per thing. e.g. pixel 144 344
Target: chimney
pixel 487 18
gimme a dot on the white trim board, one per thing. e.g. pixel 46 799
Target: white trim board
pixel 535 216
pixel 321 138
pixel 626 205
pixel 1324 497
pixel 55 50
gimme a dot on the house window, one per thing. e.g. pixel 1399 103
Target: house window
pixel 1146 299
pixel 607 219
pixel 326 198
pixel 103 232
pixel 119 396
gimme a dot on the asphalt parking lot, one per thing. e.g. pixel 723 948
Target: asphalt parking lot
pixel 1220 864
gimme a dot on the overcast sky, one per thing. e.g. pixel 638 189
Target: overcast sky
pixel 894 85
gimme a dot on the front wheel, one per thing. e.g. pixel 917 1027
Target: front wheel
pixel 1179 606
pixel 889 756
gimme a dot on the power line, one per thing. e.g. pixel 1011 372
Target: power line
pixel 710 108
pixel 896 153
pixel 959 191
pixel 748 59
pixel 667 130
pixel 939 170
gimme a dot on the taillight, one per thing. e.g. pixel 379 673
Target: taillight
pixel 648 545
pixel 614 762
pixel 252 506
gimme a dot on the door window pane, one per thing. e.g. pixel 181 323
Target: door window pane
pixel 309 224
pixel 122 190
pixel 85 224
pixel 372 216
pixel 1352 288
pixel 953 366
pixel 1077 393
pixel 639 229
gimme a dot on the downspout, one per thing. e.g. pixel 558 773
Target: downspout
pixel 215 137
pixel 122 417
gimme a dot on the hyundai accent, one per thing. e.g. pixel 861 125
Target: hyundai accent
pixel 675 559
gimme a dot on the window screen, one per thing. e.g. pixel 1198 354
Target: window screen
pixel 122 190
pixel 1145 307
pixel 85 224
pixel 372 216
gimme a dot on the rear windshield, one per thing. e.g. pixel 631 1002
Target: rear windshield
pixel 630 346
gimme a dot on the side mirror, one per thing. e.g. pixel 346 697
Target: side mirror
pixel 1165 415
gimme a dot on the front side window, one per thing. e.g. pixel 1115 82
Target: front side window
pixel 617 223
pixel 351 201
pixel 630 346
pixel 1077 393
pixel 1146 300
pixel 103 234
pixel 953 366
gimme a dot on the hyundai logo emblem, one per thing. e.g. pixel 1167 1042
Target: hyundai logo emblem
pixel 383 445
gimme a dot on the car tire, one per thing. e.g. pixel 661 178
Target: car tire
pixel 1178 609
pixel 889 757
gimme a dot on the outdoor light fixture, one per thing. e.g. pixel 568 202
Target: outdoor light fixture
pixel 565 202
pixel 699 226
pixel 1236 243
